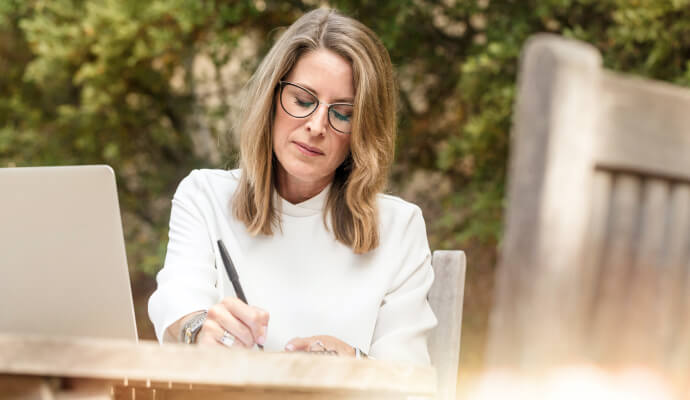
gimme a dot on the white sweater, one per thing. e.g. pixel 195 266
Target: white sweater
pixel 308 282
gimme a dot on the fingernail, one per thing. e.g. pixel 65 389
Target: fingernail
pixel 290 347
pixel 261 340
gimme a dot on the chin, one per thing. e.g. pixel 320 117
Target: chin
pixel 304 173
pixel 305 176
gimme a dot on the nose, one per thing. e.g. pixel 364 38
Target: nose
pixel 317 123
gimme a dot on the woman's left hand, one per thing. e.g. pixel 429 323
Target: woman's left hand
pixel 321 344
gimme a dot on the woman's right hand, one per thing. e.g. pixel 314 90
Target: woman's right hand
pixel 248 325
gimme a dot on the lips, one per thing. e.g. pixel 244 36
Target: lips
pixel 308 149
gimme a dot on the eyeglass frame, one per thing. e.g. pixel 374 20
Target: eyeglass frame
pixel 318 103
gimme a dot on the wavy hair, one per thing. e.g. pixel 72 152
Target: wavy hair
pixel 351 202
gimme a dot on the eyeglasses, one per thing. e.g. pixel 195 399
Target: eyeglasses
pixel 301 103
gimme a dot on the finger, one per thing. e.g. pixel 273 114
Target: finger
pixel 299 344
pixel 254 318
pixel 227 322
pixel 209 334
pixel 321 344
pixel 333 344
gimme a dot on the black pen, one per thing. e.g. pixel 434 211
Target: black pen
pixel 232 273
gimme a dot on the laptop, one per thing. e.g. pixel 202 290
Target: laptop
pixel 63 269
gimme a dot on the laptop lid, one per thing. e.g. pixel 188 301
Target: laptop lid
pixel 63 269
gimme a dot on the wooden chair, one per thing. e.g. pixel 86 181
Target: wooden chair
pixel 446 298
pixel 596 253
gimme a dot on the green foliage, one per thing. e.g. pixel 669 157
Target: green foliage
pixel 111 81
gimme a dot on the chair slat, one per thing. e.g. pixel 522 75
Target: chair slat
pixel 646 321
pixel 446 299
pixel 675 297
pixel 617 265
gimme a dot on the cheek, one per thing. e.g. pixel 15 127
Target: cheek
pixel 281 129
pixel 343 145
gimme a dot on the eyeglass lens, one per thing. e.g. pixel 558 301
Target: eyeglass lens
pixel 300 103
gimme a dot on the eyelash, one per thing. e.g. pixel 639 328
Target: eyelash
pixel 303 103
pixel 341 116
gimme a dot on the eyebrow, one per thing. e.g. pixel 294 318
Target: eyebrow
pixel 340 100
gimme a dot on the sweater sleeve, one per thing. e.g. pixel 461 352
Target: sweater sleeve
pixel 405 317
pixel 187 281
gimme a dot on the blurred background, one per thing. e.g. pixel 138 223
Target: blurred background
pixel 152 87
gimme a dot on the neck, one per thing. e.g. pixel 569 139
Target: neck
pixel 296 191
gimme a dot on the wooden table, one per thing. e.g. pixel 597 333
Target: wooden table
pixel 81 368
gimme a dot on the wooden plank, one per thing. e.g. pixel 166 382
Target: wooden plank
pixel 679 260
pixel 25 388
pixel 131 393
pixel 446 299
pixel 114 360
pixel 646 126
pixel 645 319
pixel 682 343
pixel 83 389
pixel 593 259
pixel 139 393
pixel 675 260
pixel 37 387
pixel 547 204
pixel 618 260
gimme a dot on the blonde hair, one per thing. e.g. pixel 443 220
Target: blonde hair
pixel 351 202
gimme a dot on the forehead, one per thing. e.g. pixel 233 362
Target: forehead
pixel 325 72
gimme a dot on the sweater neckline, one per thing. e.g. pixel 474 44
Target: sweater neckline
pixel 309 207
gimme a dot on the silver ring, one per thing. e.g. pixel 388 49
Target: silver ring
pixel 227 339
pixel 324 349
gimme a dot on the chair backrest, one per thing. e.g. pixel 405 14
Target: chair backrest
pixel 446 297
pixel 596 252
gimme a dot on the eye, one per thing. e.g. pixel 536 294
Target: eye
pixel 342 117
pixel 306 103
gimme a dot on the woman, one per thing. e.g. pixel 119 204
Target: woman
pixel 327 262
